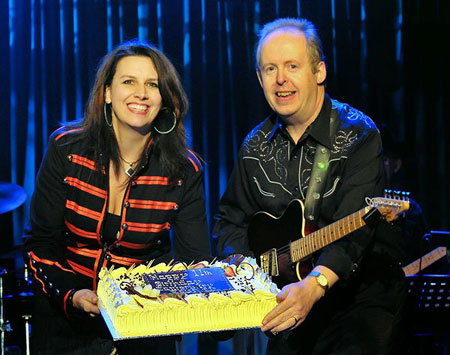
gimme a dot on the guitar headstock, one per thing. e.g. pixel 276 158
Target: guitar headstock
pixel 392 204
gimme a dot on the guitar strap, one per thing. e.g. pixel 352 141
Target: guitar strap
pixel 318 178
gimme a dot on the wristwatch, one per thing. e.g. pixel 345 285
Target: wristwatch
pixel 321 279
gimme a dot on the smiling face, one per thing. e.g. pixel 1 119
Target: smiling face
pixel 291 86
pixel 134 94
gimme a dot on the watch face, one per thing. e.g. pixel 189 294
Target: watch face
pixel 322 280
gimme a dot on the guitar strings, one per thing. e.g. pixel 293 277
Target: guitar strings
pixel 286 249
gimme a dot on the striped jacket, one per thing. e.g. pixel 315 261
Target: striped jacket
pixel 64 244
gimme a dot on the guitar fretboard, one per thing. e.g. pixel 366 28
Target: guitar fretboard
pixel 307 245
pixel 425 261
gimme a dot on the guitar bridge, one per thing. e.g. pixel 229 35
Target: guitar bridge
pixel 269 262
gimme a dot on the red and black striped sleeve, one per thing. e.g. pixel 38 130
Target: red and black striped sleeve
pixel 44 243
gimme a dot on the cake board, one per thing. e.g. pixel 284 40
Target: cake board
pixel 109 323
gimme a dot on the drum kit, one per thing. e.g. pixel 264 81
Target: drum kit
pixel 15 287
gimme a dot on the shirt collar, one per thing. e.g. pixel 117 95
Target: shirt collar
pixel 319 129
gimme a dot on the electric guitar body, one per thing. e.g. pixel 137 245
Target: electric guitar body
pixel 283 247
pixel 267 232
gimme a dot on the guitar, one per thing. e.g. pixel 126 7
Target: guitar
pixel 425 261
pixel 274 239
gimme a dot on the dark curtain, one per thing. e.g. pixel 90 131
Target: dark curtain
pixel 384 57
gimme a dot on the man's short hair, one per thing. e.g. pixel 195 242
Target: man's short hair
pixel 313 42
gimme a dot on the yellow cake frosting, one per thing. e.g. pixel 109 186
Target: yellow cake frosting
pixel 134 308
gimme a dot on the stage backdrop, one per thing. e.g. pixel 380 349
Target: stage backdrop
pixel 383 57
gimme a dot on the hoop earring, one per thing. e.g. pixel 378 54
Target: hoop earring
pixel 106 116
pixel 163 113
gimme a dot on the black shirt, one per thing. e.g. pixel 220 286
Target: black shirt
pixel 272 171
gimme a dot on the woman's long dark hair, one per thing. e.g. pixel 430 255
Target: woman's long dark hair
pixel 170 150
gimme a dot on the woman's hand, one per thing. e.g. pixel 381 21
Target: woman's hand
pixel 86 300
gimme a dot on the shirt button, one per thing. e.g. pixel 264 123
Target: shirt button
pixel 180 182
pixel 294 157
pixel 296 188
pixel 124 226
pixel 316 195
pixel 133 183
pixel 69 157
pixel 108 257
pixel 159 242
pixel 127 204
pixel 175 207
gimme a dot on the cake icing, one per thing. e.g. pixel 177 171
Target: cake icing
pixel 175 299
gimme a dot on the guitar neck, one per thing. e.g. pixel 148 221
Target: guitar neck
pixel 425 261
pixel 307 245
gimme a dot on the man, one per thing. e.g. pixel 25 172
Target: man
pixel 347 303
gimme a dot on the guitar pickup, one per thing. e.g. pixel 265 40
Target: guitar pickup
pixel 269 262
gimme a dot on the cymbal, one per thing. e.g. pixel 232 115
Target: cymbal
pixel 11 196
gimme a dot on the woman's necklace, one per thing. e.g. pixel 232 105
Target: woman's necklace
pixel 130 171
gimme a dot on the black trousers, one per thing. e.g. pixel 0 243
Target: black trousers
pixel 359 318
pixel 53 333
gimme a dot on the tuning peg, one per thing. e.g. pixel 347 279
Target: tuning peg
pixel 404 195
pixel 396 194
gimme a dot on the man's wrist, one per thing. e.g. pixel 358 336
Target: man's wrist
pixel 321 280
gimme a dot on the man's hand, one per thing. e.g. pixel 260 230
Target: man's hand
pixel 86 300
pixel 295 302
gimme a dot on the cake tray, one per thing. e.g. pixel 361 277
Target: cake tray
pixel 108 321
pixel 117 336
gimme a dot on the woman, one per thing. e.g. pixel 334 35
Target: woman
pixel 109 190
